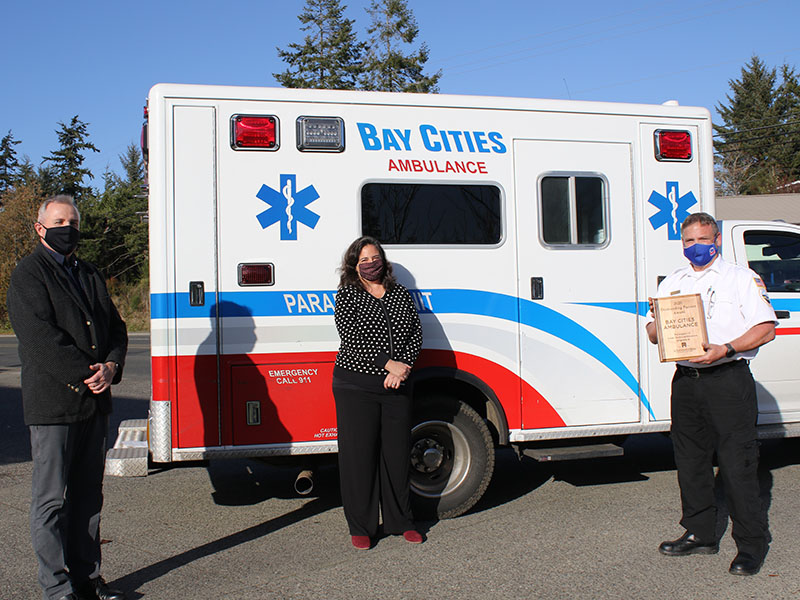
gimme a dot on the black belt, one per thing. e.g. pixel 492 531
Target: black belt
pixel 695 373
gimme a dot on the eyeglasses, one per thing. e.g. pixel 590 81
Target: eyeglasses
pixel 712 294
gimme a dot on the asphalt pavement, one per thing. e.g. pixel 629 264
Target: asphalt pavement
pixel 235 528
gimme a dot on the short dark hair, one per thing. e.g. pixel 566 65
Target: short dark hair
pixel 702 219
pixel 348 271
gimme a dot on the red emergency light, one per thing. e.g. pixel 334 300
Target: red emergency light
pixel 673 145
pixel 256 274
pixel 254 132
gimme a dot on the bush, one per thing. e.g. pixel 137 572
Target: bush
pixel 133 302
pixel 18 215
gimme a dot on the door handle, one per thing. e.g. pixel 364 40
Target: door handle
pixel 782 314
pixel 197 295
pixel 537 288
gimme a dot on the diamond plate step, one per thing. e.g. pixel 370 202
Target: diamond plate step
pixel 128 457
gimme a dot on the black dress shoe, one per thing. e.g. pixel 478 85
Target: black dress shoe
pixel 687 544
pixel 69 596
pixel 97 589
pixel 745 564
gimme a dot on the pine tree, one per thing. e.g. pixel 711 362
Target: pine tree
pixel 330 56
pixel 43 177
pixel 114 228
pixel 389 68
pixel 68 160
pixel 758 140
pixel 9 165
pixel 787 152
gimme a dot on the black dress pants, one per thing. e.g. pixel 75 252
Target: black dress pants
pixel 717 412
pixel 66 500
pixel 374 436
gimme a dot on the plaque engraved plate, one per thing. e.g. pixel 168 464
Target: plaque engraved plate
pixel 681 325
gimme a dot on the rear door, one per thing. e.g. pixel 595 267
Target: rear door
pixel 577 284
pixel 277 210
pixel 195 284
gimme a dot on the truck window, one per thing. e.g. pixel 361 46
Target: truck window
pixel 572 210
pixel 432 214
pixel 775 256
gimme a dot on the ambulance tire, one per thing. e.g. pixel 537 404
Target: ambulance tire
pixel 452 458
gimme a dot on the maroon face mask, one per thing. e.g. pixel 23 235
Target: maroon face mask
pixel 371 271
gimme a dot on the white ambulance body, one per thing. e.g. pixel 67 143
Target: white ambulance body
pixel 530 232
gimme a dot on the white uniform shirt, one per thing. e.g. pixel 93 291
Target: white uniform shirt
pixel 734 300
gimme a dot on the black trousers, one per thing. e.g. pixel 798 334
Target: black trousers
pixel 717 412
pixel 374 436
pixel 66 500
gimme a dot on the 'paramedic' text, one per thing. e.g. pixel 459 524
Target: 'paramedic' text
pixel 322 303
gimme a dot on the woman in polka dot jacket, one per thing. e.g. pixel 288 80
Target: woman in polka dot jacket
pixel 381 337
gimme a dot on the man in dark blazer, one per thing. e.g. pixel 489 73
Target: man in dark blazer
pixel 72 345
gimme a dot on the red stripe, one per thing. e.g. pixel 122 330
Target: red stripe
pixel 787 331
pixel 300 409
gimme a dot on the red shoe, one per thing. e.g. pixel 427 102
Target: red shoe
pixel 415 537
pixel 362 542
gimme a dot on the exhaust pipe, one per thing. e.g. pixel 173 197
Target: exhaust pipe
pixel 304 482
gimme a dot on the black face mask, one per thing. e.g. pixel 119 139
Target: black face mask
pixel 63 240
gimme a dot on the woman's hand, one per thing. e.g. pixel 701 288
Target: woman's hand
pixel 398 369
pixel 392 382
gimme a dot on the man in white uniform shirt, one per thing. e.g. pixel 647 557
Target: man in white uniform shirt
pixel 714 399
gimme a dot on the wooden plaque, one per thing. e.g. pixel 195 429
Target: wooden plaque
pixel 681 325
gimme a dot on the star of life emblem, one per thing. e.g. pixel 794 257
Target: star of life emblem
pixel 672 209
pixel 289 207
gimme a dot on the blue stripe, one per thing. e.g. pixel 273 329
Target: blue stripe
pixel 554 323
pixel 242 304
pixel 790 304
pixel 444 301
pixel 162 306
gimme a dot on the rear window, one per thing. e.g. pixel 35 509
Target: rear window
pixel 573 211
pixel 432 214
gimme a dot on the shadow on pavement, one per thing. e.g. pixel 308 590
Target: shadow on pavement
pixel 775 454
pixel 240 482
pixel 646 453
pixel 514 477
pixel 137 578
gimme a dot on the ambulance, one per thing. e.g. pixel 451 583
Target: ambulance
pixel 530 233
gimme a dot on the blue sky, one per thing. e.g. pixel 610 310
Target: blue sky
pixel 99 59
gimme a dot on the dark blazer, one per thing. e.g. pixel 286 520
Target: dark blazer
pixel 61 332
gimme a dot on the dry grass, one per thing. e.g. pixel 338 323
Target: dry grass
pixel 133 303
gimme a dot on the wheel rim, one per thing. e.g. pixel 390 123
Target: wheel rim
pixel 440 458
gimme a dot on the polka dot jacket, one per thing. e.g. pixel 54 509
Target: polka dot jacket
pixel 366 340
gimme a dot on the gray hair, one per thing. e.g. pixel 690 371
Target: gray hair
pixel 700 218
pixel 58 199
